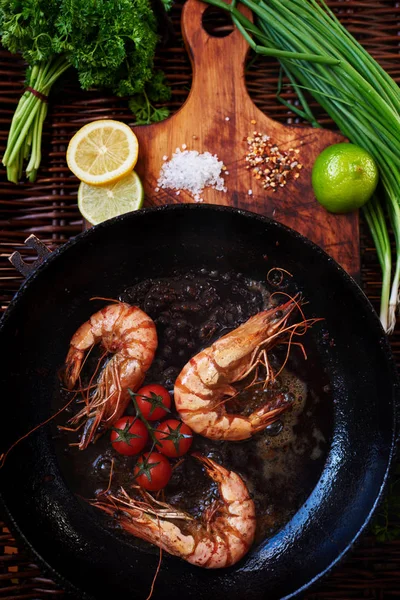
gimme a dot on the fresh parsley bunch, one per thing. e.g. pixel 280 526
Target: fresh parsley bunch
pixel 110 43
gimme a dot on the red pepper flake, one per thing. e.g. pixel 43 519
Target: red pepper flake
pixel 269 164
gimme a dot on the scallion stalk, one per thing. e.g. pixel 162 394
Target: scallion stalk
pixel 25 135
pixel 321 56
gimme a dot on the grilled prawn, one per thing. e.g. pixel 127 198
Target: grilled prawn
pixel 205 382
pixel 127 333
pixel 220 538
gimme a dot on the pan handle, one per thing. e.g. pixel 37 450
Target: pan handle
pixel 42 251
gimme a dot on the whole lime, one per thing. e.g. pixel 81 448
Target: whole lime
pixel 344 177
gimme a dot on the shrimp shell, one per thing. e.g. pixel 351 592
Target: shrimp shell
pixel 205 382
pixel 127 333
pixel 220 538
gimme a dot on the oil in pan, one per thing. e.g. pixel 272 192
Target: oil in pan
pixel 280 465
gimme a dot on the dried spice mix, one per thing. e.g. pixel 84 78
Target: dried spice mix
pixel 272 166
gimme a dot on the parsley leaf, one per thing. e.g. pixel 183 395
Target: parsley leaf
pixel 145 112
pixel 111 44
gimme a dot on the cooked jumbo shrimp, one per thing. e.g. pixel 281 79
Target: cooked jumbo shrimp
pixel 130 335
pixel 220 538
pixel 205 382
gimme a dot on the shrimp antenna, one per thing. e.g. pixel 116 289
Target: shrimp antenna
pixel 109 480
pixel 280 271
pixel 4 455
pixel 298 300
pixel 106 299
pixel 291 330
pixel 289 346
pixel 89 387
pixel 158 566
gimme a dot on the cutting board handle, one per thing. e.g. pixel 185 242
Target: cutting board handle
pixel 206 51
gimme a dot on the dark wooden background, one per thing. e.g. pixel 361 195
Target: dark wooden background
pixel 48 209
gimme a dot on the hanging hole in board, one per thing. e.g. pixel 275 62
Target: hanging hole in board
pixel 216 22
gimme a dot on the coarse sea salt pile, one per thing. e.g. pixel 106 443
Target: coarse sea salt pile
pixel 189 170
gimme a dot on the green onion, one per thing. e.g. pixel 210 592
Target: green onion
pixel 25 136
pixel 321 56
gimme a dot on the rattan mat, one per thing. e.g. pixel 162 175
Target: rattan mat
pixel 48 209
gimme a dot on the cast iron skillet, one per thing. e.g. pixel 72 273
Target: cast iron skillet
pixel 66 536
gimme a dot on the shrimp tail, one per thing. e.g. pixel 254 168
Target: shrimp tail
pixel 268 414
pixel 215 471
pixel 72 368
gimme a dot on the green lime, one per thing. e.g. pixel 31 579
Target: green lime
pixel 344 177
pixel 99 203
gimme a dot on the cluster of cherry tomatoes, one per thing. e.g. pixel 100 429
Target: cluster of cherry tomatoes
pixel 171 438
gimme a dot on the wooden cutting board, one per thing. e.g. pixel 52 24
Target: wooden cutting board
pixel 217 117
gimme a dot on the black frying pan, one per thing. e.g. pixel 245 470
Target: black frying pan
pixel 67 535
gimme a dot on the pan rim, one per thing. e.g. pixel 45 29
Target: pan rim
pixel 385 346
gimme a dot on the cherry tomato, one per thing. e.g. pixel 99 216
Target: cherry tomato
pixel 156 401
pixel 175 438
pixel 129 436
pixel 152 471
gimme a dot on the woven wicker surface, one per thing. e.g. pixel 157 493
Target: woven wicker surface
pixel 48 209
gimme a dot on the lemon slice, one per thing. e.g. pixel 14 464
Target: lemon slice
pixel 99 203
pixel 102 151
